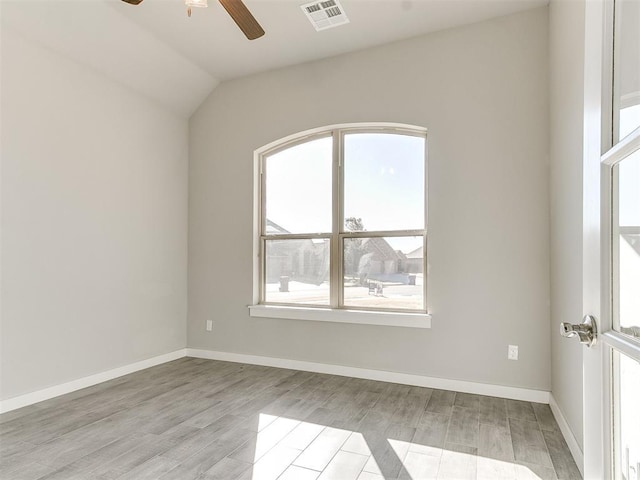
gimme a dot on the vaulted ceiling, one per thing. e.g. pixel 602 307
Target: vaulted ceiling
pixel 155 49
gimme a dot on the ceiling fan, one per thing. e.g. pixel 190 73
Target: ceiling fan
pixel 235 8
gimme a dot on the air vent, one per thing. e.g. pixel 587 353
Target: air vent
pixel 323 15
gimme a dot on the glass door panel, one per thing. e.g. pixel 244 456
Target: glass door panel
pixel 626 246
pixel 626 396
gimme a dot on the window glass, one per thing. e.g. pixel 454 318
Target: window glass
pixel 383 272
pixel 627 67
pixel 627 431
pixel 626 236
pixel 298 188
pixel 297 271
pixel 384 181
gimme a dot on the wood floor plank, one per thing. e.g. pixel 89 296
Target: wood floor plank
pixel 521 410
pixel 419 466
pixel 205 436
pixel 390 448
pixel 495 443
pixel 150 470
pixel 528 443
pixel 463 427
pixel 295 379
pixel 356 443
pixel 545 418
pixel 492 469
pixel 302 436
pixel 493 411
pixel 71 447
pixel 29 471
pixel 531 471
pixel 320 452
pixel 561 457
pixel 254 449
pixel 410 409
pixel 147 447
pixel 53 427
pixel 205 458
pixel 14 449
pixel 273 464
pixel 344 466
pixel 299 473
pixel 457 465
pixel 370 476
pixel 467 400
pixel 376 420
pixel 227 469
pixel 82 467
pixel 432 430
pixel 441 401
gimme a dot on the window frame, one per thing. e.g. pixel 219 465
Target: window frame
pixel 337 237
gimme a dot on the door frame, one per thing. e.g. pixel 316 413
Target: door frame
pixel 595 423
pixel 600 155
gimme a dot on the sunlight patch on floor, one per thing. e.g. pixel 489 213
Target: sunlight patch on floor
pixel 291 449
pixel 425 462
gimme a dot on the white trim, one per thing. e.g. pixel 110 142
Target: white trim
pixel 567 433
pixel 597 137
pixel 515 393
pixel 84 382
pixel 300 136
pixel 391 319
pixel 623 149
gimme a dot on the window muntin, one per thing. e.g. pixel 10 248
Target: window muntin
pixel 302 264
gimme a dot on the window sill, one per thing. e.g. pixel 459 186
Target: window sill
pixel 390 319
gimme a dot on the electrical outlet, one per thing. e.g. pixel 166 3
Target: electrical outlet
pixel 512 353
pixel 209 325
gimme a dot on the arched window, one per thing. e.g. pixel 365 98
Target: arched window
pixel 342 219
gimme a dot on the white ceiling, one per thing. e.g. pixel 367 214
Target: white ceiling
pixel 155 49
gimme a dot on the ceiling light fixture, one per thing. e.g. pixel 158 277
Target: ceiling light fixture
pixel 236 9
pixel 195 3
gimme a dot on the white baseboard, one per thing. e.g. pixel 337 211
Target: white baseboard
pixel 514 393
pixel 572 443
pixel 68 387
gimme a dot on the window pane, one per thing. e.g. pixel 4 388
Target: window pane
pixel 298 188
pixel 297 271
pixel 626 236
pixel 627 416
pixel 384 272
pixel 384 181
pixel 627 67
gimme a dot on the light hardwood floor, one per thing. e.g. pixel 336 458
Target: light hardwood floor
pixel 204 419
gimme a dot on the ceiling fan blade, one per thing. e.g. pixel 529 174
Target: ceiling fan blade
pixel 133 2
pixel 243 18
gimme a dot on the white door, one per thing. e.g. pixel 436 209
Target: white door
pixel 611 225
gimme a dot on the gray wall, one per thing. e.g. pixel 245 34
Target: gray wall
pixel 566 30
pixel 482 91
pixel 94 222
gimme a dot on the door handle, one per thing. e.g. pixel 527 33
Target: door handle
pixel 587 331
